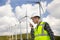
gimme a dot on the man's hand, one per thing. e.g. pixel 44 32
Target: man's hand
pixel 31 25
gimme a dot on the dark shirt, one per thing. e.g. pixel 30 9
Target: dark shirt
pixel 32 33
pixel 47 28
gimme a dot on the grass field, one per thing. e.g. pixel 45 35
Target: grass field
pixel 24 37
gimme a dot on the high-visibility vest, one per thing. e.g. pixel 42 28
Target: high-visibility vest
pixel 40 33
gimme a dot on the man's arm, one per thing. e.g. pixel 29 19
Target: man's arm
pixel 32 31
pixel 50 33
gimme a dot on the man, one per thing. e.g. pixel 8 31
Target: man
pixel 42 31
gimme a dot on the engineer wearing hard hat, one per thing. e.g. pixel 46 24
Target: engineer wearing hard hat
pixel 42 31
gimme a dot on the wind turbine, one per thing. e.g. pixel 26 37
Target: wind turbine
pixel 26 25
pixel 40 6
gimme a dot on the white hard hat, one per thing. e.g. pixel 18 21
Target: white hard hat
pixel 35 14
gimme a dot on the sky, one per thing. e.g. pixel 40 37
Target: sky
pixel 12 13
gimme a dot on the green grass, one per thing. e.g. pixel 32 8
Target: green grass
pixel 57 37
pixel 3 38
pixel 24 37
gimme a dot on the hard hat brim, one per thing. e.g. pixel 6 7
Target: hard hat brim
pixel 35 17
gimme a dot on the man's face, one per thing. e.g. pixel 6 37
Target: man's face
pixel 35 19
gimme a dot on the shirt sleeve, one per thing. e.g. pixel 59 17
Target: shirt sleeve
pixel 32 33
pixel 48 29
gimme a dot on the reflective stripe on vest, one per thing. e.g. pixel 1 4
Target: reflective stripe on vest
pixel 41 35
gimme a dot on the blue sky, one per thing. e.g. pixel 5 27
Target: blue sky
pixel 2 2
pixel 20 2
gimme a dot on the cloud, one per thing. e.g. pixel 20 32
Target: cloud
pixel 29 9
pixel 7 19
pixel 53 8
pixel 54 17
pixel 54 23
pixel 7 24
pixel 6 10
